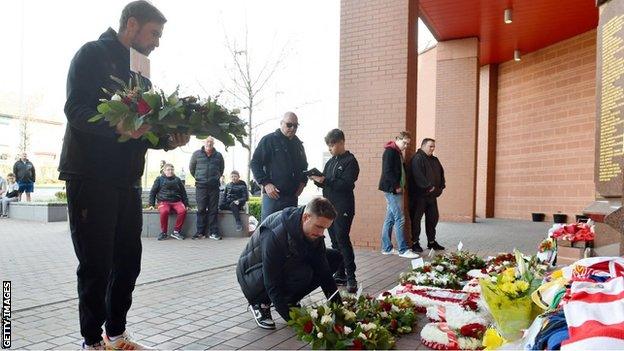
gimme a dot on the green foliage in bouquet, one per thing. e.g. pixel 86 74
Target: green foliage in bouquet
pixel 133 106
pixel 460 263
pixel 362 323
pixel 508 296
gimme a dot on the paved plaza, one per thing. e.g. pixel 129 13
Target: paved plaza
pixel 187 296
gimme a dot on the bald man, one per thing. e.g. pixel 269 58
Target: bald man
pixel 278 164
pixel 207 167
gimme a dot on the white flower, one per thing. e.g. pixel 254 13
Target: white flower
pixel 319 335
pixel 347 330
pixel 395 308
pixel 349 315
pixel 116 97
pixel 383 314
pixel 326 319
pixel 369 326
pixel 314 313
pixel 439 268
pixel 362 336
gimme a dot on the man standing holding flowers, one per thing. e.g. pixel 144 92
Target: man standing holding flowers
pixel 103 178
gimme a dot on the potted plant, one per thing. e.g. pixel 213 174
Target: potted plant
pixel 560 218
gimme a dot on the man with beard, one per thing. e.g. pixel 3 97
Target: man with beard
pixel 103 178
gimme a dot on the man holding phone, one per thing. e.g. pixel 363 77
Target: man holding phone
pixel 278 164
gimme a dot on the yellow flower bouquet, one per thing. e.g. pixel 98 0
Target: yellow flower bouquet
pixel 508 297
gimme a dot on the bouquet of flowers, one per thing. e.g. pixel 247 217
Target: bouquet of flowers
pixel 133 106
pixel 574 232
pixel 499 263
pixel 508 297
pixel 547 250
pixel 362 323
pixel 440 336
pixel 434 275
pixel 459 262
pixel 335 327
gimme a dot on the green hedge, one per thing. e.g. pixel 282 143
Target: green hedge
pixel 255 206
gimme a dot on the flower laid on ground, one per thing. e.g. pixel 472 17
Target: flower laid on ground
pixel 546 251
pixel 445 271
pixel 439 336
pixel 499 263
pixel 508 297
pixel 459 262
pixel 424 297
pixel 574 232
pixel 458 316
pixel 492 339
pixel 362 323
pixel 429 275
pixel 133 106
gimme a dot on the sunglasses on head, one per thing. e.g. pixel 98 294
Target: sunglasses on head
pixel 292 125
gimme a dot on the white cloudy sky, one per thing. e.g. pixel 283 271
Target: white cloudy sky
pixel 39 38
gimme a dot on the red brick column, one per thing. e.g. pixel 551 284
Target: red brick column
pixel 378 71
pixel 457 94
pixel 486 141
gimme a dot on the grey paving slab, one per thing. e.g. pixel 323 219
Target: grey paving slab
pixel 198 304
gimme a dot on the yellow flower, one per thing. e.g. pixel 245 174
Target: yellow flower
pixel 522 285
pixel 509 288
pixel 556 274
pixel 492 340
pixel 509 275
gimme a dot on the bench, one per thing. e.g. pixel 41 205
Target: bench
pixel 225 219
pixel 38 211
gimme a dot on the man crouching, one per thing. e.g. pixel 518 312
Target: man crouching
pixel 286 259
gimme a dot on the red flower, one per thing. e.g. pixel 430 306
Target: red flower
pixel 470 304
pixel 357 344
pixel 473 330
pixel 339 329
pixel 394 324
pixel 386 306
pixel 308 327
pixel 142 107
pixel 126 100
pixel 386 293
pixel 427 269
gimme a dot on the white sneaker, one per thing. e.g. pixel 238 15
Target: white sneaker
pixel 391 252
pixel 409 254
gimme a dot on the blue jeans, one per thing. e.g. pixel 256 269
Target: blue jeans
pixel 270 206
pixel 394 218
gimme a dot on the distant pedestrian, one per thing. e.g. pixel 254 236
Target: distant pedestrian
pixel 24 172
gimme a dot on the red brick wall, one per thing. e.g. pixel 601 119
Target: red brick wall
pixel 374 103
pixel 457 92
pixel 545 130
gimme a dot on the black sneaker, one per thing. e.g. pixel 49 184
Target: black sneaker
pixel 416 248
pixel 352 286
pixel 176 235
pixel 215 237
pixel 262 316
pixel 435 246
pixel 197 236
pixel 162 236
pixel 340 279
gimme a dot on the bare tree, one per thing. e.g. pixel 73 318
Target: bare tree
pixel 249 76
pixel 24 133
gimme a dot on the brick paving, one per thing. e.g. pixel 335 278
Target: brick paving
pixel 187 296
